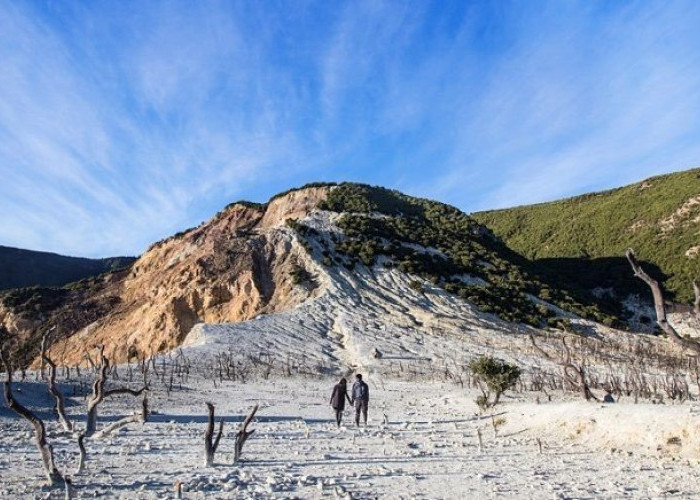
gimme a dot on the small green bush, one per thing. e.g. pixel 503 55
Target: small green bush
pixel 299 274
pixel 497 375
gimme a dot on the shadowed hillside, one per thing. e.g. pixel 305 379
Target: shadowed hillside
pixel 24 268
pixel 658 217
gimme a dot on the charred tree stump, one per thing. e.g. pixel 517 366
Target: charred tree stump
pixel 243 434
pixel 209 446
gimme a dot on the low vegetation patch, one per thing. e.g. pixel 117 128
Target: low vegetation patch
pixel 495 377
pixel 381 222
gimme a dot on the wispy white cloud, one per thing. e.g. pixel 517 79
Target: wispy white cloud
pixel 578 104
pixel 123 122
pixel 93 167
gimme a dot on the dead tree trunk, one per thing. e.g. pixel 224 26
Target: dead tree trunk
pixel 660 306
pixel 83 453
pixel 44 339
pixel 209 446
pixel 580 374
pixel 44 346
pixel 243 434
pixel 578 379
pixel 55 392
pixel 696 303
pixel 52 474
pixel 99 393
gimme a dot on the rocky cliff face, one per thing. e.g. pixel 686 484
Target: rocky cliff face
pixel 232 268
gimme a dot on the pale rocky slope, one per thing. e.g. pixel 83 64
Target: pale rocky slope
pixel 372 320
pixel 229 269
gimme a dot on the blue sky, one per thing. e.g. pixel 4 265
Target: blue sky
pixel 124 122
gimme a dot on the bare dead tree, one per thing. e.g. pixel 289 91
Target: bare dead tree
pixel 58 395
pixel 92 364
pixel 660 306
pixel 209 446
pixel 574 374
pixel 99 394
pixel 53 388
pixel 44 339
pixel 243 434
pixel 696 302
pixel 53 476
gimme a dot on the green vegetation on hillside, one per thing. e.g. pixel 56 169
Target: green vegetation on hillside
pixel 582 240
pixel 381 222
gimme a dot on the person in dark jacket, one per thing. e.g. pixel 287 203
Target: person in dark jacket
pixel 340 394
pixel 360 398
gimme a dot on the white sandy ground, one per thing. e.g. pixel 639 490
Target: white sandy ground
pixel 428 449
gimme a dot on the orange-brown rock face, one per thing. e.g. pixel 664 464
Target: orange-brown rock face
pixel 231 268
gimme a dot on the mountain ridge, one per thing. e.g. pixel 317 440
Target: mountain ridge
pixel 253 259
pixel 22 268
pixel 659 217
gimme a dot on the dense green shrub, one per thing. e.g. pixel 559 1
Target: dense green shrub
pixel 299 274
pixel 35 300
pixel 496 375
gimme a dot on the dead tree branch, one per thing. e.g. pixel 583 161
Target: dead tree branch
pixel 243 434
pixel 539 349
pixel 52 474
pixel 44 339
pixel 125 390
pixel 54 390
pixel 58 395
pixel 574 374
pixel 209 446
pixel 579 378
pixel 660 306
pixel 138 417
pixel 99 393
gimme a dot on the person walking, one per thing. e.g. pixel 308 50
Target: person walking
pixel 340 394
pixel 360 398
